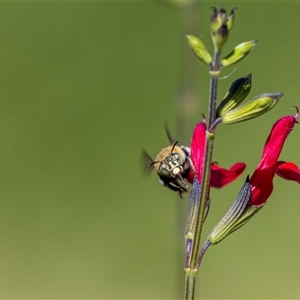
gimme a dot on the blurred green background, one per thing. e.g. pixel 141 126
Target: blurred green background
pixel 84 86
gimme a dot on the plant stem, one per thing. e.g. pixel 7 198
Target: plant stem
pixel 213 89
pixel 202 252
pixel 190 283
pixel 193 237
pixel 204 195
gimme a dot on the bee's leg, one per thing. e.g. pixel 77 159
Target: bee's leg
pixel 191 165
pixel 177 187
pixel 188 161
pixel 173 185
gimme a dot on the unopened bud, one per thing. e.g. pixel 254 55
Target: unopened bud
pixel 230 19
pixel 238 53
pixel 258 106
pixel 215 20
pixel 220 25
pixel 230 222
pixel 237 92
pixel 220 36
pixel 199 49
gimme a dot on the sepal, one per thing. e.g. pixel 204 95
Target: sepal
pixel 235 216
pixel 199 49
pixel 258 106
pixel 230 18
pixel 217 18
pixel 237 92
pixel 194 196
pixel 238 53
pixel 220 37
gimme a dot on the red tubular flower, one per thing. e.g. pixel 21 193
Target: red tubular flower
pixel 256 190
pixel 262 178
pixel 219 176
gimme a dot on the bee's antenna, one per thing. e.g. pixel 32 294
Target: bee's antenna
pixel 153 163
pixel 174 146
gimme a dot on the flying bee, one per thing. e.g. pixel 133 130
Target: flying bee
pixel 173 165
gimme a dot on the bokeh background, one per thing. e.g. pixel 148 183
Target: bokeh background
pixel 84 86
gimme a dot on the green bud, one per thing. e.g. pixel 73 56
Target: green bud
pixel 220 25
pixel 238 91
pixel 230 19
pixel 230 222
pixel 215 21
pixel 199 49
pixel 217 18
pixel 220 37
pixel 222 15
pixel 238 53
pixel 258 106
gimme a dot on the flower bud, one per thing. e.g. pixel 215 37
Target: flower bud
pixel 238 91
pixel 217 18
pixel 234 216
pixel 199 49
pixel 220 37
pixel 220 25
pixel 258 106
pixel 230 19
pixel 238 53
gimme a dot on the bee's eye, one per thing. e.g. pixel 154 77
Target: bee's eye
pixel 179 158
pixel 164 170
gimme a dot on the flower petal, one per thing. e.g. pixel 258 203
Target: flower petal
pixel 198 147
pixel 262 178
pixel 221 177
pixel 288 171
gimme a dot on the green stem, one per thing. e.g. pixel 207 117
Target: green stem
pixel 190 277
pixel 202 201
pixel 190 283
pixel 214 79
pixel 193 237
pixel 202 252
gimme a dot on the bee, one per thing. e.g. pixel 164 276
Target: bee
pixel 173 165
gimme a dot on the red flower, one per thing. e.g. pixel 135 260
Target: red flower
pixel 262 178
pixel 219 176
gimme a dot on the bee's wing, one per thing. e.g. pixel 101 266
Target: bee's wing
pixel 170 138
pixel 146 161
